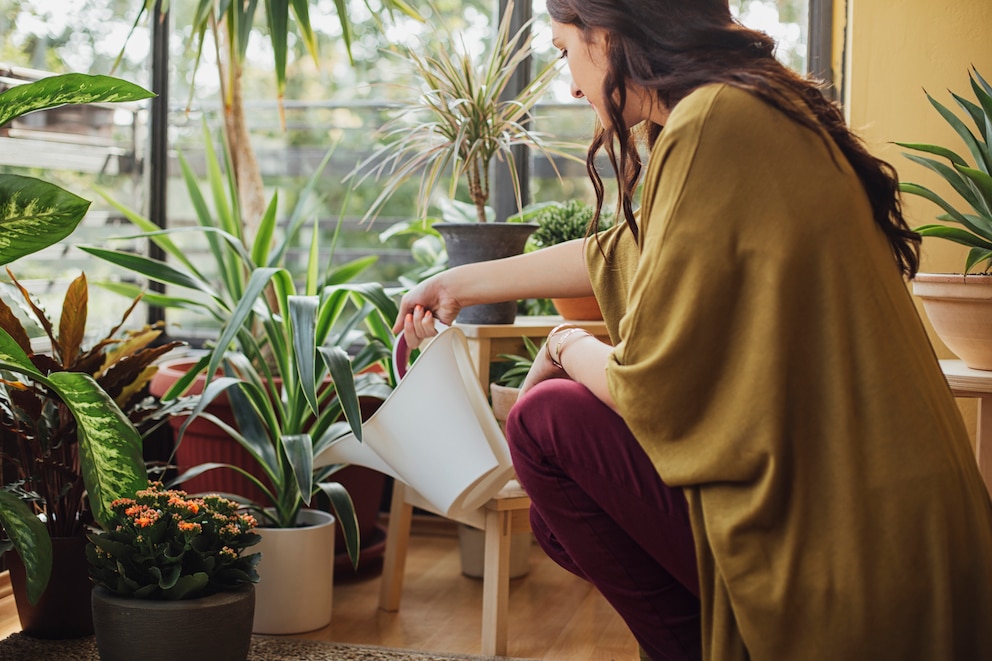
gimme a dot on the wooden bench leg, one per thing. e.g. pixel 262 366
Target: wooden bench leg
pixel 496 583
pixel 397 540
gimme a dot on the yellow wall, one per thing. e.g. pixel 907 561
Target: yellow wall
pixel 893 51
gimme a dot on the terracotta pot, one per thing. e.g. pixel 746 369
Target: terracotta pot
pixel 212 628
pixel 296 586
pixel 580 308
pixel 63 611
pixel 468 243
pixel 960 309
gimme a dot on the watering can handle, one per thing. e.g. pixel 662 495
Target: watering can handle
pixel 401 354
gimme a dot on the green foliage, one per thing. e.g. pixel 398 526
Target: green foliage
pixel 559 222
pixel 35 214
pixel 519 365
pixel 162 544
pixel 971 181
pixel 44 422
pixel 460 120
pixel 283 345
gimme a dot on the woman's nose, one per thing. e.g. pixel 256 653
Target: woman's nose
pixel 576 92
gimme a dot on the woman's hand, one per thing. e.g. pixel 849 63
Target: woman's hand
pixel 542 369
pixel 420 307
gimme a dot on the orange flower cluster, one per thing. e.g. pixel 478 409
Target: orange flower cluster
pixel 159 531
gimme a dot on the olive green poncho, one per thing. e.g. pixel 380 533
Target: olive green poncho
pixel 770 360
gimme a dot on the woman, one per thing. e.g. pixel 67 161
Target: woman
pixel 767 462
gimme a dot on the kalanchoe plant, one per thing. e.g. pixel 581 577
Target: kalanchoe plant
pixel 163 544
pixel 972 182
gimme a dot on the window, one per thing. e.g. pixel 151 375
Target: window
pixel 336 103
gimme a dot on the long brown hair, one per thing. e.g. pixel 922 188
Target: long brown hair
pixel 674 47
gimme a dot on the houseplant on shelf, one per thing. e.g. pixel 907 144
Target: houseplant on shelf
pixel 459 122
pixel 288 376
pixel 105 447
pixel 960 306
pixel 558 222
pixel 171 561
pixel 43 453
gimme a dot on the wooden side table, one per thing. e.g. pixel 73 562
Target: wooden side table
pixel 966 382
pixel 487 341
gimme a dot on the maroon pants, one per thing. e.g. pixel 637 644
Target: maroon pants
pixel 600 511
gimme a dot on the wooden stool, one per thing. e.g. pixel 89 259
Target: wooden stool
pixel 504 515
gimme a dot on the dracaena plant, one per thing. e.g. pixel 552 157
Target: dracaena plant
pixel 971 180
pixel 461 119
pixel 35 214
pixel 291 353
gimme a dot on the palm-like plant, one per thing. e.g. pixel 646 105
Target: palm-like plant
pixel 231 25
pixel 276 344
pixel 462 119
pixel 973 182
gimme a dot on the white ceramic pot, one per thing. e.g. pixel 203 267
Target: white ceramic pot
pixel 295 590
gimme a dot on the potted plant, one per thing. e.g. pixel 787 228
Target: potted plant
pixel 558 222
pixel 462 118
pixel 960 306
pixel 41 452
pixel 292 385
pixel 103 444
pixel 170 560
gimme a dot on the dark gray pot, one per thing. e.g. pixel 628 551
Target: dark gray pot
pixel 213 628
pixel 467 243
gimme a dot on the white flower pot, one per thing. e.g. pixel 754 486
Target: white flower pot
pixel 295 590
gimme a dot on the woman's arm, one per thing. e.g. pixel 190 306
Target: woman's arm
pixel 556 271
pixel 581 357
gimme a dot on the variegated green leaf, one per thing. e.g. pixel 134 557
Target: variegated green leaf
pixel 35 214
pixel 31 542
pixel 64 89
pixel 109 445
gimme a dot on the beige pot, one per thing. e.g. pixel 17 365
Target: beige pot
pixel 960 309
pixel 503 398
pixel 296 575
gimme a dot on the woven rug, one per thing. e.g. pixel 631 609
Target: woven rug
pixel 18 647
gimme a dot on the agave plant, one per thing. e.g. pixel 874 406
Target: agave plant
pixel 286 351
pixel 972 181
pixel 35 214
pixel 461 118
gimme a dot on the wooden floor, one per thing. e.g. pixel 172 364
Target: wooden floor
pixel 553 615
